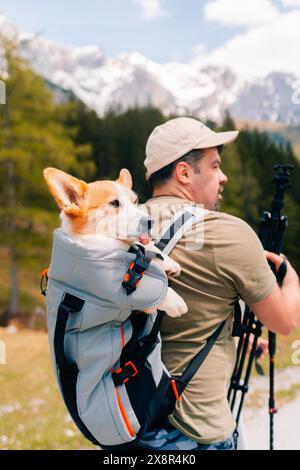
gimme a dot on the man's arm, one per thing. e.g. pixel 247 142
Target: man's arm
pixel 280 311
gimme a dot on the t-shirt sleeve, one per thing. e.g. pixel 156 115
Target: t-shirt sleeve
pixel 241 261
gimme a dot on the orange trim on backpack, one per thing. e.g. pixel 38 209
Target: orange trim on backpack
pixel 44 281
pixel 127 275
pixel 122 336
pixel 124 415
pixel 173 383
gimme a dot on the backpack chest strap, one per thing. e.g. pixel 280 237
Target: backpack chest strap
pixel 138 267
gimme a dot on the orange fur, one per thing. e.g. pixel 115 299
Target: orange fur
pixel 86 208
pixel 125 178
pixel 78 199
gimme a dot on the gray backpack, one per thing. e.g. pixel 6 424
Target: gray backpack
pixel 105 352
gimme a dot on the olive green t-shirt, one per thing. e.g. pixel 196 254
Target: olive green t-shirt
pixel 230 264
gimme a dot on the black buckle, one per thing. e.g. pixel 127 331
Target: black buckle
pixel 140 265
pixel 136 269
pixel 131 280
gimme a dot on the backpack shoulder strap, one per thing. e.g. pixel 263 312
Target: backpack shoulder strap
pixel 173 231
pixel 68 371
pixel 197 361
pixel 180 223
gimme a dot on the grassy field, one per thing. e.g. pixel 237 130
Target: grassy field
pixel 32 415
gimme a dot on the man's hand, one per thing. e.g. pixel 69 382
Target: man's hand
pixel 280 311
pixel 277 260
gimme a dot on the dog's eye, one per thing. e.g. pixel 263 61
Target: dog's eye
pixel 115 203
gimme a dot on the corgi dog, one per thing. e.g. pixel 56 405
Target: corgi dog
pixel 106 213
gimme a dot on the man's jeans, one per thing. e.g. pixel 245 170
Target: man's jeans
pixel 169 438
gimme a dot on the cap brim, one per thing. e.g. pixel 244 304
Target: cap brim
pixel 216 139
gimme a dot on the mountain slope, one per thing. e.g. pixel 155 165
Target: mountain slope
pixel 202 90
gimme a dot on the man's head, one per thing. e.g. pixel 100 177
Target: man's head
pixel 183 159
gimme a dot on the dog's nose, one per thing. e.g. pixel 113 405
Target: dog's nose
pixel 146 224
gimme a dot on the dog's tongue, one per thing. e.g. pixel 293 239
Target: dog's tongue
pixel 145 239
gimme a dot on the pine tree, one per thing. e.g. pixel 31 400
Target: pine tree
pixel 117 140
pixel 31 138
pixel 242 190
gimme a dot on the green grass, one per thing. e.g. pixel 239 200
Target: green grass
pixel 284 350
pixel 32 413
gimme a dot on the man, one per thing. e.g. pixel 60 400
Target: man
pixel 183 167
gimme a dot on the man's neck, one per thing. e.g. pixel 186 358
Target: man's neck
pixel 172 192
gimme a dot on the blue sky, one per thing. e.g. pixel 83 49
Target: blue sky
pixel 121 25
pixel 257 36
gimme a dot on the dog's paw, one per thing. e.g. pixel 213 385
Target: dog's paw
pixel 173 305
pixel 172 268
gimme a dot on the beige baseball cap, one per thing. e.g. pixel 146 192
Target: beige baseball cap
pixel 177 137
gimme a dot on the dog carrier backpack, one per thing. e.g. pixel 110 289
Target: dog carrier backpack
pixel 106 353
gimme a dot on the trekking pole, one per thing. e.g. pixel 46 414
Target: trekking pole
pixel 271 233
pixel 241 374
pixel 272 406
pixel 274 242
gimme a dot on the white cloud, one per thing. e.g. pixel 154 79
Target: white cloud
pixel 152 9
pixel 241 13
pixel 262 49
pixel 291 3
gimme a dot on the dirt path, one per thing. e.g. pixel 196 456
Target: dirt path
pixel 286 427
pixel 286 421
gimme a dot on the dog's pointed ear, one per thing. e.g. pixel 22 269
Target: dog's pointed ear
pixel 125 178
pixel 67 190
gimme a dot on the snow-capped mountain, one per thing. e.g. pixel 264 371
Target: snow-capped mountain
pixel 202 90
pixel 275 99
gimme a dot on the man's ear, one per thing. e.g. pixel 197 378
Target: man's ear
pixel 125 178
pixel 66 190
